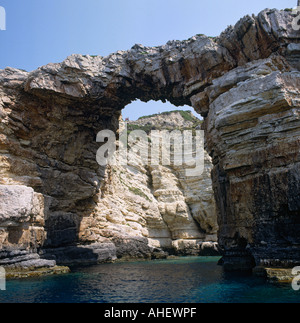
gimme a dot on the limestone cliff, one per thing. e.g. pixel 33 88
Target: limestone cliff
pixel 156 204
pixel 140 211
pixel 253 136
pixel 245 84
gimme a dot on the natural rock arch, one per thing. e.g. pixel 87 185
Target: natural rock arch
pixel 244 83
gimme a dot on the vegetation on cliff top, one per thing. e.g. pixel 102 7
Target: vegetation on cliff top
pixel 186 115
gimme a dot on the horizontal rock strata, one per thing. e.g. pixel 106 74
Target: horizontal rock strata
pixel 255 124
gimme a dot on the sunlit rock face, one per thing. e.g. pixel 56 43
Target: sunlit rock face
pixel 173 211
pixel 245 83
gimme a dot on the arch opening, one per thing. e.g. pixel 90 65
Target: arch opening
pixel 183 218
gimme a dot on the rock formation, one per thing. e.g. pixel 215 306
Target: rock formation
pixel 140 211
pixel 253 131
pixel 159 204
pixel 245 83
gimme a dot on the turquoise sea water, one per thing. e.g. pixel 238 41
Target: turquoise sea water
pixel 184 280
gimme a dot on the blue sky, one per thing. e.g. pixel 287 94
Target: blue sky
pixel 43 31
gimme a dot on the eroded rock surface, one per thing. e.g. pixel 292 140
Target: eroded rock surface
pixel 253 135
pixel 245 83
pixel 159 205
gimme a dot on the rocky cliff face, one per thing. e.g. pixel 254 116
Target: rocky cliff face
pixel 159 205
pixel 138 211
pixel 245 83
pixel 255 124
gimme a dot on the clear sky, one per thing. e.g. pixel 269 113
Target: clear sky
pixel 43 31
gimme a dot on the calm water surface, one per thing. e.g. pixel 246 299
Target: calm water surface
pixel 184 280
